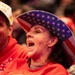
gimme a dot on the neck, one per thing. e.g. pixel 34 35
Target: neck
pixel 36 65
pixel 39 62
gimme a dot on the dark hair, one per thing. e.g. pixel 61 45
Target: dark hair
pixel 70 9
pixel 6 19
pixel 58 55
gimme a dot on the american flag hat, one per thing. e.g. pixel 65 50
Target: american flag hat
pixel 53 24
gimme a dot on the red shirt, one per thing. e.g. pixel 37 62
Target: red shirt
pixel 11 52
pixel 20 67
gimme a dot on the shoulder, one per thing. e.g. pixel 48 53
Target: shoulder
pixel 56 69
pixel 57 66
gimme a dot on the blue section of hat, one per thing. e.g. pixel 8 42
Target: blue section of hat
pixel 49 21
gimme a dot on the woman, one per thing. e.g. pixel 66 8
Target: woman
pixel 50 46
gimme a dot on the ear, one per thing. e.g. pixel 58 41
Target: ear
pixel 10 30
pixel 52 41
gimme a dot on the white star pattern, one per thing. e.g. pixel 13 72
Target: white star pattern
pixel 38 20
pixel 43 16
pixel 53 28
pixel 39 23
pixel 10 59
pixel 53 18
pixel 58 29
pixel 33 18
pixel 49 21
pixel 68 31
pixel 3 65
pixel 32 14
pixel 29 17
pixel 43 21
pixel 58 34
pixel 63 25
pixel 43 24
pixel 30 20
pixel 48 17
pixel 53 24
pixel 63 30
pixel 58 24
pixel 63 35
pixel 37 15
pixel 48 26
pixel 54 32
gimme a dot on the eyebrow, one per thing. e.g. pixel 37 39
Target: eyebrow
pixel 38 27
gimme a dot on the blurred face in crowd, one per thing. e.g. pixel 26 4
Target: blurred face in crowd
pixel 5 31
pixel 16 24
pixel 38 42
pixel 67 1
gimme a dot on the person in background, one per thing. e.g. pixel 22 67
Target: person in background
pixel 70 11
pixel 71 70
pixel 61 6
pixel 9 48
pixel 18 33
pixel 50 43
pixel 69 16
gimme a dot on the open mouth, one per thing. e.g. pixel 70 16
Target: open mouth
pixel 30 44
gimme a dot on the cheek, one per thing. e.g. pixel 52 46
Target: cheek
pixel 3 39
pixel 41 43
pixel 3 35
pixel 43 40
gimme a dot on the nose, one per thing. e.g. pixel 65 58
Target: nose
pixel 29 34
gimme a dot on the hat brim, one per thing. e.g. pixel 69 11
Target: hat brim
pixel 53 24
pixel 7 11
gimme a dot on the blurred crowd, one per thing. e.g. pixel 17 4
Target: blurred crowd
pixel 65 9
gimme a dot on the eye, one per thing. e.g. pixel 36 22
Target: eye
pixel 37 31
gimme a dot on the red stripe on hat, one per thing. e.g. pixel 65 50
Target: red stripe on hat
pixel 25 27
pixel 70 46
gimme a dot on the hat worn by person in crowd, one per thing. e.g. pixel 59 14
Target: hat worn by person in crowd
pixel 51 23
pixel 6 10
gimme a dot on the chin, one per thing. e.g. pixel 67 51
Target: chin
pixel 31 55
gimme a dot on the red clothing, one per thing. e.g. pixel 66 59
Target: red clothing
pixel 12 51
pixel 20 67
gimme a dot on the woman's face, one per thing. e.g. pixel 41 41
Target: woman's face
pixel 37 41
